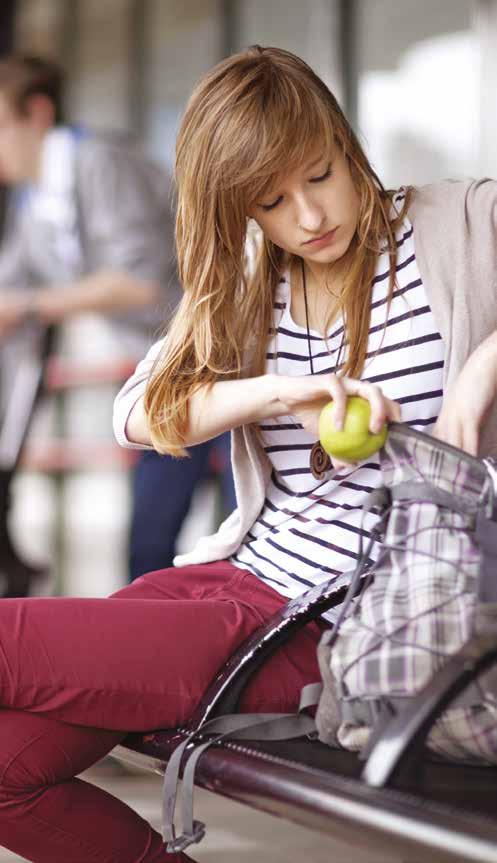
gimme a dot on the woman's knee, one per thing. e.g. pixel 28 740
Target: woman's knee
pixel 36 751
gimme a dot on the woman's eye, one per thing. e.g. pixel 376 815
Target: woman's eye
pixel 324 176
pixel 268 207
pixel 327 173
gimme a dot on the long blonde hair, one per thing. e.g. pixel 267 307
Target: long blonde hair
pixel 249 121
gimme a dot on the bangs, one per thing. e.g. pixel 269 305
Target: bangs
pixel 273 134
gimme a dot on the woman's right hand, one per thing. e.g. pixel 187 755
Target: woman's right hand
pixel 305 396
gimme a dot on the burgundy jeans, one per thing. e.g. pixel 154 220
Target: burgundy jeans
pixel 77 674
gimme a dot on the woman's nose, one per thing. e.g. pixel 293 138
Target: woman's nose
pixel 310 216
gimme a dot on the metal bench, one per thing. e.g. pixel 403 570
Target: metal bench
pixel 401 800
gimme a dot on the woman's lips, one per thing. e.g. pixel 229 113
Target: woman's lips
pixel 323 240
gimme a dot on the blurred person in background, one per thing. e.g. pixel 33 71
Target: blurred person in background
pixel 89 229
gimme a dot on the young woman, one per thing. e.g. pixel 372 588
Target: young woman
pixel 349 289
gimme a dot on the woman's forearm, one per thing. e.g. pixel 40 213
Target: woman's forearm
pixel 229 404
pixel 215 409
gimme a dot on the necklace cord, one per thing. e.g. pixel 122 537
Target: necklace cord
pixel 319 460
pixel 304 286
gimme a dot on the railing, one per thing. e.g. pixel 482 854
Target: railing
pixel 61 454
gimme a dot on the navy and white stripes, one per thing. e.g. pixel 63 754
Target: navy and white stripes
pixel 308 530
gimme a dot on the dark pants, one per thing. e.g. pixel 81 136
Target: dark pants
pixel 76 674
pixel 162 491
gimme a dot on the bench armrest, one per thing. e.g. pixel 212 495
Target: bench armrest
pixel 224 693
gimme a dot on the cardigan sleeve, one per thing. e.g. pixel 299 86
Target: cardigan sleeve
pixel 455 238
pixel 133 389
pixel 455 233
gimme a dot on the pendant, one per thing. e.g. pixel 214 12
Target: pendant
pixel 320 462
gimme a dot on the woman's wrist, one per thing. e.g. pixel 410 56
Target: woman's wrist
pixel 272 387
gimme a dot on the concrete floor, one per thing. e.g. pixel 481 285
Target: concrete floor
pixel 235 833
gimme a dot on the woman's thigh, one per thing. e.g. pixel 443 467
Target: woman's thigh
pixel 133 664
pixel 142 659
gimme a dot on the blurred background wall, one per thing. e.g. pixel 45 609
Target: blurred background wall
pixel 418 78
pixel 410 72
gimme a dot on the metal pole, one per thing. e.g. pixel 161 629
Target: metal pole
pixel 230 29
pixel 69 54
pixel 350 69
pixel 485 28
pixel 137 89
pixel 7 21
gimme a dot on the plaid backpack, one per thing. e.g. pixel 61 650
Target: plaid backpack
pixel 432 588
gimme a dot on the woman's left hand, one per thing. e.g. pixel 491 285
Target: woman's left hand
pixel 468 400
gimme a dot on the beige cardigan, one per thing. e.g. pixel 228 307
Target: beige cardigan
pixel 455 237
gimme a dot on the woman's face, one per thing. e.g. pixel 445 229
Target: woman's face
pixel 314 212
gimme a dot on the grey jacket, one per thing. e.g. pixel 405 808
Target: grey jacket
pixel 124 223
pixel 455 235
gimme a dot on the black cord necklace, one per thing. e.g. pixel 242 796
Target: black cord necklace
pixel 319 460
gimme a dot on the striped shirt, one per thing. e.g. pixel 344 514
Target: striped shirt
pixel 308 530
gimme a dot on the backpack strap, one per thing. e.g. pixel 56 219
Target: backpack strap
pixel 237 726
pixel 373 711
pixel 425 491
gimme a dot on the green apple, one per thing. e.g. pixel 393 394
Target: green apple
pixel 353 442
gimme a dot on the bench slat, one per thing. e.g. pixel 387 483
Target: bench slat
pixel 328 801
